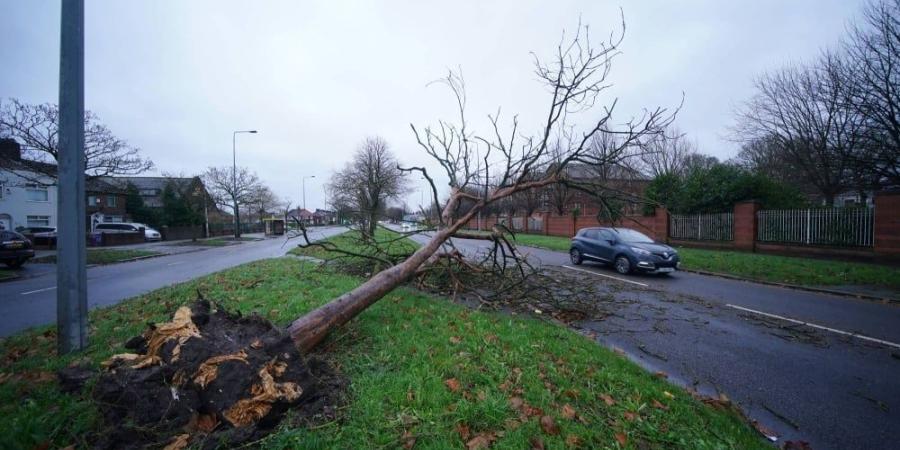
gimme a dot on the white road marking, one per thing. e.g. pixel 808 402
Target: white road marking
pixel 821 327
pixel 176 263
pixel 607 276
pixel 39 290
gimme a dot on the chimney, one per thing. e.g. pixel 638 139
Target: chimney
pixel 10 150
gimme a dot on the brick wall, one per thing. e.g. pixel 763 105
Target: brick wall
pixel 745 225
pixel 887 223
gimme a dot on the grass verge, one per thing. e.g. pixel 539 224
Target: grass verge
pixel 390 245
pixel 422 369
pixel 7 273
pixel 103 256
pixel 757 266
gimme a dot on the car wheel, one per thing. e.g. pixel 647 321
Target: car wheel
pixel 576 257
pixel 622 265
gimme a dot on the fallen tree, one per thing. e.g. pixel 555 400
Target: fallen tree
pixel 576 77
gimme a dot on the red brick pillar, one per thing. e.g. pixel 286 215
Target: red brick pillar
pixel 887 223
pixel 745 225
pixel 660 224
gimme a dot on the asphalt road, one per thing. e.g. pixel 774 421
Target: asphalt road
pixel 822 383
pixel 32 301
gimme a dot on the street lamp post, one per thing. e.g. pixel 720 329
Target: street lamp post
pixel 304 189
pixel 71 278
pixel 234 199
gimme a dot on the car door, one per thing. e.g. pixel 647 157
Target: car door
pixel 592 250
pixel 605 245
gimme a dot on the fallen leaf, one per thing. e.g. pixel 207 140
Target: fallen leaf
pixel 207 422
pixel 629 416
pixel 536 443
pixel 656 404
pixel 622 439
pixel 452 384
pixel 568 411
pixel 455 339
pixel 549 425
pixel 178 442
pixel 463 430
pixel 516 402
pixel 661 374
pixel 607 399
pixel 408 439
pixel 482 440
pixel 573 441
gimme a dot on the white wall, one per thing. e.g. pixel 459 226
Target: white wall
pixel 14 200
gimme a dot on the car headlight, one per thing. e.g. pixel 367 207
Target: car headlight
pixel 641 251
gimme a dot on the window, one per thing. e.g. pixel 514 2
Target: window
pixel 112 219
pixel 148 192
pixel 111 201
pixel 35 193
pixel 93 200
pixel 38 221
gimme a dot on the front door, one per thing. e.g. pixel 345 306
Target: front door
pixel 5 222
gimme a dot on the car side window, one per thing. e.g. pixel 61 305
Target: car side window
pixel 605 236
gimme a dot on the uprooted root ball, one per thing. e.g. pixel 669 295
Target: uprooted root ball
pixel 209 378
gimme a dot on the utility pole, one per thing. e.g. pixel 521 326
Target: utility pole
pixel 71 274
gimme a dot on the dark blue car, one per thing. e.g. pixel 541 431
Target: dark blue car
pixel 626 249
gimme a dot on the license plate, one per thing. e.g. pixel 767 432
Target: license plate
pixel 665 270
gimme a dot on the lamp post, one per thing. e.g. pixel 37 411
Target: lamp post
pixel 71 275
pixel 304 189
pixel 234 200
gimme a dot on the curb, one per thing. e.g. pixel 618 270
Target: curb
pixel 798 287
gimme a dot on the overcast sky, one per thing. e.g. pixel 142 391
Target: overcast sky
pixel 175 78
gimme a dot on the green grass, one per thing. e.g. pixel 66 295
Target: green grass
pixel 757 266
pixel 793 270
pixel 103 256
pixel 398 355
pixel 388 241
pixel 7 273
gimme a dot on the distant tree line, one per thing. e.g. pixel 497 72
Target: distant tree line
pixel 832 125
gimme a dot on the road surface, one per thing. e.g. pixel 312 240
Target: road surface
pixel 32 301
pixel 834 383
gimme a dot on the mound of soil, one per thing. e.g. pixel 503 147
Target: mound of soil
pixel 210 378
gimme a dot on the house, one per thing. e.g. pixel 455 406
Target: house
pixel 28 195
pixel 323 217
pixel 151 191
pixel 302 215
pixel 105 203
pixel 613 182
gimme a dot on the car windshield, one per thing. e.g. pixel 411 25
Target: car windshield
pixel 627 235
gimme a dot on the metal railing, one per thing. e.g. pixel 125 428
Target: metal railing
pixel 702 227
pixel 846 227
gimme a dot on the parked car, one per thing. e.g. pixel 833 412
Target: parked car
pixel 15 249
pixel 626 249
pixel 149 233
pixel 36 230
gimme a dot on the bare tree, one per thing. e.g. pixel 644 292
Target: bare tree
pixel 231 191
pixel 575 78
pixel 873 74
pixel 36 128
pixel 262 201
pixel 804 112
pixel 667 154
pixel 368 182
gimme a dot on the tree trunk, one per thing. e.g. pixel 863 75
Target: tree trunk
pixel 309 330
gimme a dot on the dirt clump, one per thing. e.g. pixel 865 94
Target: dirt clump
pixel 210 378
